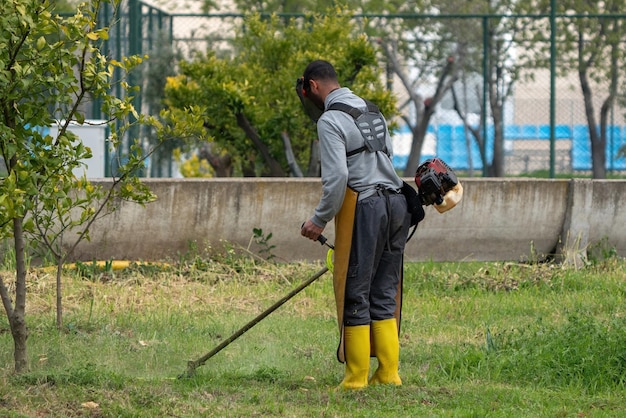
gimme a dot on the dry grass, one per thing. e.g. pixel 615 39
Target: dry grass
pixel 216 288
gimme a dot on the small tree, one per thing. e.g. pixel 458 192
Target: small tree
pixel 249 103
pixel 49 67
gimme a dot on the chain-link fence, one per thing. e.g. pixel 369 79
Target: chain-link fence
pixel 495 100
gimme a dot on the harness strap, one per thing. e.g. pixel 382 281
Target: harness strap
pixel 356 151
pixel 384 192
pixel 355 113
pixel 352 111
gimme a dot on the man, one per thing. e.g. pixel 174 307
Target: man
pixel 378 226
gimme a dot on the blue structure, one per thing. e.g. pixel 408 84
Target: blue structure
pixel 581 148
pixel 452 144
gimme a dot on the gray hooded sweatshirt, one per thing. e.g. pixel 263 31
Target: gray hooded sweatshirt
pixel 363 172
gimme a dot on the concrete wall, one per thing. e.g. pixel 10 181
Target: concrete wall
pixel 497 219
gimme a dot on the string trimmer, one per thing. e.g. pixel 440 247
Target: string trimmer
pixel 192 365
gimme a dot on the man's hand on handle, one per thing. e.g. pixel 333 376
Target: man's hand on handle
pixel 311 231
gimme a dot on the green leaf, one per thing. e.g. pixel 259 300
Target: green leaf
pixel 41 43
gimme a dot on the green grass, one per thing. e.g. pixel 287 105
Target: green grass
pixel 477 340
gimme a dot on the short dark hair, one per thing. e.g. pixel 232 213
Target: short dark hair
pixel 318 70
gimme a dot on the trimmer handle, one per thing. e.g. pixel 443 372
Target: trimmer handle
pixel 321 239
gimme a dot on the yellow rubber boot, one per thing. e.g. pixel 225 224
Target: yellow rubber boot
pixel 387 348
pixel 357 350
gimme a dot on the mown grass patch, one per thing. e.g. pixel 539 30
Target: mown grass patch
pixel 478 339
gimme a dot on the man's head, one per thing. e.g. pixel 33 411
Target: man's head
pixel 318 71
pixel 319 79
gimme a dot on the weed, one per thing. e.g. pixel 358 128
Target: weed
pixel 263 242
pixel 8 251
pixel 95 271
pixel 601 251
pixel 83 375
pixel 269 374
pixel 533 258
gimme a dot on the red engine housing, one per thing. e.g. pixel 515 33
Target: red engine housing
pixel 434 178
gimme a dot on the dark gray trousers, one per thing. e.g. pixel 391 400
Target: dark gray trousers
pixel 381 227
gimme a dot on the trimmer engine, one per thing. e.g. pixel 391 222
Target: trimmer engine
pixel 434 179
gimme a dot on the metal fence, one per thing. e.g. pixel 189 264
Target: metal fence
pixel 545 127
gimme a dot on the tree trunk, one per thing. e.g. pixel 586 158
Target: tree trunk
pixel 606 108
pixel 446 79
pixel 419 135
pixel 221 164
pixel 274 168
pixel 497 164
pixel 18 318
pixel 291 159
pixel 597 147
pixel 598 154
pixel 59 294
pixel 315 168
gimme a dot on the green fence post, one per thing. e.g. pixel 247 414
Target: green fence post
pixel 552 84
pixel 134 48
pixel 484 106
